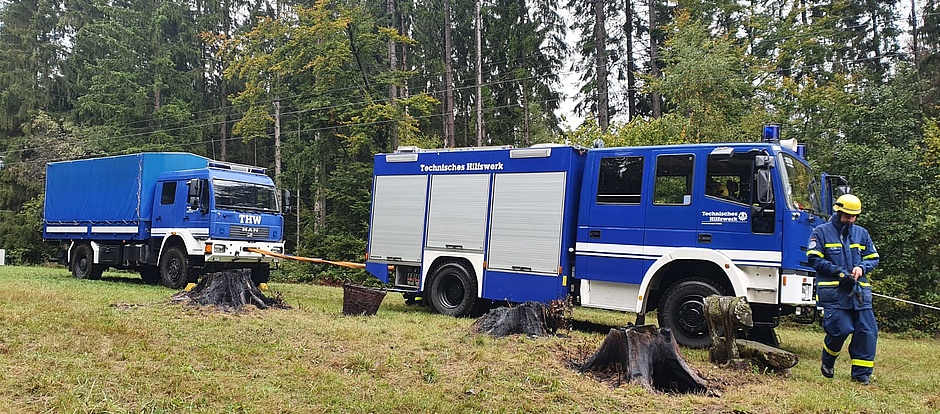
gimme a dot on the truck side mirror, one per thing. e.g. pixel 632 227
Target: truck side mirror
pixel 285 199
pixel 765 189
pixel 194 191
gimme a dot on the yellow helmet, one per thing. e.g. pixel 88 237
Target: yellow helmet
pixel 848 204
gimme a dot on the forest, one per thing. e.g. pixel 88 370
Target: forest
pixel 313 89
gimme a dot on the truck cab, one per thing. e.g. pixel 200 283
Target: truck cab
pixel 662 227
pixel 214 215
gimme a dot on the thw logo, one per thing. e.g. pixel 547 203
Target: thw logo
pixel 249 219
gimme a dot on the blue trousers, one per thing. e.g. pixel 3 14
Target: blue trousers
pixel 839 324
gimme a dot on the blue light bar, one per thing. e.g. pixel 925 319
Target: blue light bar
pixel 771 132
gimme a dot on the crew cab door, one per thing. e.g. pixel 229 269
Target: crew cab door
pixel 167 206
pixel 612 216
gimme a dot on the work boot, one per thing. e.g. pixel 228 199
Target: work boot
pixel 861 379
pixel 827 372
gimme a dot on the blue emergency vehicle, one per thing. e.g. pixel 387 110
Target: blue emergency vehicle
pixel 169 216
pixel 632 229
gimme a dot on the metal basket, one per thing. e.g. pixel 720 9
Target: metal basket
pixel 361 300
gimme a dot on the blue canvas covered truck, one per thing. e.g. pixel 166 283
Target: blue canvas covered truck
pixel 168 216
pixel 637 229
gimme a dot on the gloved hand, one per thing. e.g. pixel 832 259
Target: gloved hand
pixel 846 281
pixel 857 293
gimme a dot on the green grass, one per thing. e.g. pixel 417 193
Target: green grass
pixel 120 346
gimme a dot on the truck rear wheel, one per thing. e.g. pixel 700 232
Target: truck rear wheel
pixel 453 290
pixel 683 312
pixel 174 268
pixel 260 273
pixel 150 274
pixel 83 263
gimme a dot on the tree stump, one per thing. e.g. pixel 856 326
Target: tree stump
pixel 725 315
pixel 530 318
pixel 645 356
pixel 229 290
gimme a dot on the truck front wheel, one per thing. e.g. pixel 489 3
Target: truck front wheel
pixel 174 268
pixel 683 312
pixel 453 290
pixel 83 263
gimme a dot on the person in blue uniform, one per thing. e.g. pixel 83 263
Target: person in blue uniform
pixel 843 255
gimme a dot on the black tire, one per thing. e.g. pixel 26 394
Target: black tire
pixel 150 274
pixel 453 290
pixel 260 273
pixel 83 263
pixel 174 268
pixel 683 312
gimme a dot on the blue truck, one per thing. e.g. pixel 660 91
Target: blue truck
pixel 169 216
pixel 638 229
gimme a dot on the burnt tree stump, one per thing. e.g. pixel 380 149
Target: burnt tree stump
pixel 530 318
pixel 645 356
pixel 229 290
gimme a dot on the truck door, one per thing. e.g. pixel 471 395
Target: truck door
pixel 610 236
pixel 164 206
pixel 671 218
pixel 732 218
pixel 195 211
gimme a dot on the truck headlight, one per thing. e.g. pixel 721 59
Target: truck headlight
pixel 278 250
pixel 218 248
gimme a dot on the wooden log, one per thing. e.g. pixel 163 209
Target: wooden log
pixel 645 356
pixel 767 357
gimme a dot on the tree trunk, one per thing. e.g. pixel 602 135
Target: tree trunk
pixel 654 60
pixel 277 142
pixel 391 8
pixel 631 75
pixel 600 50
pixel 479 88
pixel 450 140
pixel 645 356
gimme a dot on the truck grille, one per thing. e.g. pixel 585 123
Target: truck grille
pixel 249 232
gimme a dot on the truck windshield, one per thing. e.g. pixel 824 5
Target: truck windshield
pixel 244 196
pixel 801 187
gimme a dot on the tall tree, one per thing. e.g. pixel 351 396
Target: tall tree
pixel 32 43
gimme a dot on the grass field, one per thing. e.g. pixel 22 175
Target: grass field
pixel 120 346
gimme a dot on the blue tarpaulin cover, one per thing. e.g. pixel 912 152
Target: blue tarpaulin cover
pixel 110 189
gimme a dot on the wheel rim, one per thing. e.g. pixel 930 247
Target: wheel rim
pixel 173 270
pixel 691 317
pixel 453 292
pixel 83 265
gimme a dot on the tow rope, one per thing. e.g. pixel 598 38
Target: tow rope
pixel 306 259
pixel 905 301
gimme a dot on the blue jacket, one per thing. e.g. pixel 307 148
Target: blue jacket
pixel 834 250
